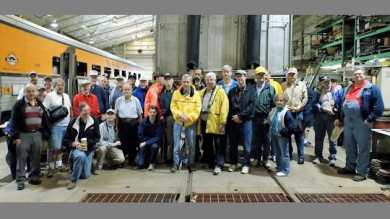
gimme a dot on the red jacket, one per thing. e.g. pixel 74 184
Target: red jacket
pixel 152 98
pixel 91 100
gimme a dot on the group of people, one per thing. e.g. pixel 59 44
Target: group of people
pixel 126 122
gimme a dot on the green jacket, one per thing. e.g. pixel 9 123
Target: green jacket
pixel 266 100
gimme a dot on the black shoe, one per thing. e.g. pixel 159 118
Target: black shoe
pixel 34 181
pixel 301 161
pixel 344 171
pixel 20 186
pixel 133 164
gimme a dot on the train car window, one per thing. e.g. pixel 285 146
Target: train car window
pixel 97 68
pixel 124 74
pixel 56 65
pixel 138 76
pixel 116 72
pixel 107 72
pixel 81 69
pixel 128 74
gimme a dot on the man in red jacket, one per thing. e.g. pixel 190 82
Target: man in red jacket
pixel 86 96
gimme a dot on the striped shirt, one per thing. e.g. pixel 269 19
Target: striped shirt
pixel 33 116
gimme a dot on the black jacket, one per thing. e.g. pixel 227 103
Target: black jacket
pixel 92 133
pixel 18 117
pixel 246 109
pixel 165 99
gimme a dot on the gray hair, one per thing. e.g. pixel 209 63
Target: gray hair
pixel 58 80
pixel 359 68
pixel 186 76
pixel 227 68
pixel 212 75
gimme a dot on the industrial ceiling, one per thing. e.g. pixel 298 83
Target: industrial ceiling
pixel 100 31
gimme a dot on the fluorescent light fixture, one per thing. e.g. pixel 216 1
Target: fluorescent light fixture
pixel 54 24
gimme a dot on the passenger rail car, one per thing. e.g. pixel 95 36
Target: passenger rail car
pixel 26 47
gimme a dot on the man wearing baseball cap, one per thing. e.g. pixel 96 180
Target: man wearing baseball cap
pixel 325 103
pixel 100 94
pixel 33 77
pixel 265 101
pixel 140 91
pixel 297 92
pixel 109 146
pixel 241 112
pixel 117 91
pixel 152 96
pixel 47 83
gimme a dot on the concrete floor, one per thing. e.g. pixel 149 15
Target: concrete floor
pixel 307 178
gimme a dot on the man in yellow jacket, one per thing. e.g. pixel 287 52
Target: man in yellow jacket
pixel 185 107
pixel 215 109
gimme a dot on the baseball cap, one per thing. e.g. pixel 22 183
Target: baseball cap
pixel 85 83
pixel 47 78
pixel 32 73
pixel 110 111
pixel 292 70
pixel 241 72
pixel 143 78
pixel 324 78
pixel 167 75
pixel 260 69
pixel 118 78
pixel 39 87
pixel 93 73
pixel 156 74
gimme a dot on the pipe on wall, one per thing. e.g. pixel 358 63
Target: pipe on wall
pixel 253 41
pixel 193 41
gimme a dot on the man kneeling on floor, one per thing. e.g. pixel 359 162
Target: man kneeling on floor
pixel 150 132
pixel 86 128
pixel 108 145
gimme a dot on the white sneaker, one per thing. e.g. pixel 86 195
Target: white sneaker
pixel 152 167
pixel 332 163
pixel 316 160
pixel 281 174
pixel 245 170
pixel 232 168
pixel 217 170
pixel 267 165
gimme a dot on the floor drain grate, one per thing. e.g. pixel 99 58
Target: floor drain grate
pixel 342 198
pixel 238 197
pixel 130 197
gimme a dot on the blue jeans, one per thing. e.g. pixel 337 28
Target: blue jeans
pixel 144 151
pixel 299 140
pixel 82 161
pixel 189 143
pixel 323 124
pixel 280 145
pixel 57 133
pixel 357 139
pixel 241 131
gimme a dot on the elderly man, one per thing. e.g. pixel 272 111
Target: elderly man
pixel 270 81
pixel 106 86
pixel 241 112
pixel 29 126
pixel 152 96
pixel 58 97
pixel 325 104
pixel 198 80
pixel 185 106
pixel 141 90
pixel 86 96
pixel 362 105
pixel 100 94
pixel 129 111
pixel 109 146
pixel 265 101
pixel 297 93
pixel 131 80
pixel 117 91
pixel 215 109
pixel 33 78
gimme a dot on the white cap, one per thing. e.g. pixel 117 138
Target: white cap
pixel 292 70
pixel 143 78
pixel 93 73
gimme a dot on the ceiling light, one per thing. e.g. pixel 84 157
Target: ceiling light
pixel 88 34
pixel 54 24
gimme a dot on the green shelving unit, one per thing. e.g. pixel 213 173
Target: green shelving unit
pixel 325 32
pixel 372 35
